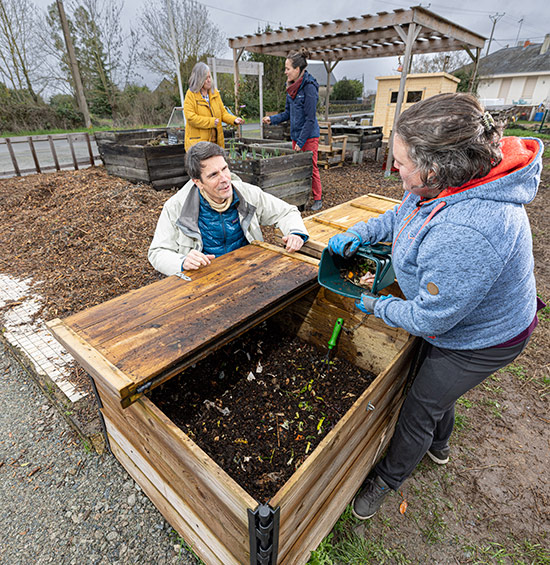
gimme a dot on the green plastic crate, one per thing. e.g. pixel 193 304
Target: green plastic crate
pixel 331 265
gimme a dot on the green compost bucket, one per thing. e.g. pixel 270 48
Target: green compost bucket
pixel 330 268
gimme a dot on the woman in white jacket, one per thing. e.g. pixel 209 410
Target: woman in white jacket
pixel 216 212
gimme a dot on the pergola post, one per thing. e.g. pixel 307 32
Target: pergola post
pixel 409 40
pixel 329 67
pixel 475 59
pixel 237 52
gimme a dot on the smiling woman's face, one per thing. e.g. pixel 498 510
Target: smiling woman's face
pixel 291 73
pixel 408 171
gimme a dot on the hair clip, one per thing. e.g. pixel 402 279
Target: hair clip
pixel 488 122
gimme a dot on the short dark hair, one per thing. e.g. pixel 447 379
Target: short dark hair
pixel 298 58
pixel 450 139
pixel 197 154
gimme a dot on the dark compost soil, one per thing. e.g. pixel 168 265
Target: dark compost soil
pixel 260 405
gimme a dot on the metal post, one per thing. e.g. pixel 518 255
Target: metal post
pixel 175 49
pixel 261 86
pixel 329 67
pixel 236 56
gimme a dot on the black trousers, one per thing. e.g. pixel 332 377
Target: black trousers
pixel 428 413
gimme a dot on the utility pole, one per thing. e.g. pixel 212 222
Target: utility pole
pixel 495 19
pixel 79 89
pixel 517 38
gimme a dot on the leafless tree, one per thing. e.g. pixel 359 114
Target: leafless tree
pixel 439 62
pixel 21 54
pixel 196 36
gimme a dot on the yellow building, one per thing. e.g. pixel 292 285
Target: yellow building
pixel 417 87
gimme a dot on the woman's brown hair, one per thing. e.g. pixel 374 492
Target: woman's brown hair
pixel 450 139
pixel 299 58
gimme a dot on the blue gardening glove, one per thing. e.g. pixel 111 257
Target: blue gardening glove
pixel 367 301
pixel 345 244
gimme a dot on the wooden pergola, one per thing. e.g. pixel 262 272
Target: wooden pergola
pixel 386 34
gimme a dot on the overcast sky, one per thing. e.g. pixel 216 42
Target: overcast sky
pixel 241 17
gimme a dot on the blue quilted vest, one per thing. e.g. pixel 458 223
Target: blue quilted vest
pixel 221 232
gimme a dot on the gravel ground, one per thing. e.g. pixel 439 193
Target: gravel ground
pixel 62 504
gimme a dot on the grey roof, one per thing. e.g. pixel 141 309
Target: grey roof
pixel 319 73
pixel 515 60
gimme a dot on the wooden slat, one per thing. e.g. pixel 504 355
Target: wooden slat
pixel 155 332
pixel 171 509
pixel 182 466
pixel 90 359
pixel 12 157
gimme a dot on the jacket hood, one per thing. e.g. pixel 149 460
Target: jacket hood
pixel 515 179
pixel 309 79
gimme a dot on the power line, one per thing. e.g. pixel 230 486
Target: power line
pixel 238 14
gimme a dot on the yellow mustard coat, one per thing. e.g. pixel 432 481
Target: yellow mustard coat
pixel 199 118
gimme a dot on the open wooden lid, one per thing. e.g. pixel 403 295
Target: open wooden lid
pixel 141 339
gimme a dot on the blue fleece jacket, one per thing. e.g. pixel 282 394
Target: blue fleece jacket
pixel 221 232
pixel 464 261
pixel 302 112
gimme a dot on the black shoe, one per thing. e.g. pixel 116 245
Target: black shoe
pixel 439 456
pixel 317 205
pixel 366 504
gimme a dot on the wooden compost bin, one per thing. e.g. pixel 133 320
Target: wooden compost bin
pixel 127 154
pixel 137 341
pixel 276 170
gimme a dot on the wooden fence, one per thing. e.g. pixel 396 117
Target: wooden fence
pixel 31 141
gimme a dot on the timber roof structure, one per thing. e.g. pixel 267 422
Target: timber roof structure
pixel 364 37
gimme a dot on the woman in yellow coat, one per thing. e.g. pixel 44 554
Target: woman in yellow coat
pixel 204 110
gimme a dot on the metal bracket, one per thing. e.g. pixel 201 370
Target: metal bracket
pixel 263 529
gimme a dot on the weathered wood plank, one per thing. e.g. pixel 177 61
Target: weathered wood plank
pixel 180 464
pixel 90 359
pixel 150 334
pixel 172 510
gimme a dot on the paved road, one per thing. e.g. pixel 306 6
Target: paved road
pixel 44 154
pixel 61 504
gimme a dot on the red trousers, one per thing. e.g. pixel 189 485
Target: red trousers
pixel 311 145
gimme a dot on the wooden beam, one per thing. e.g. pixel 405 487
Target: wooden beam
pixel 412 34
pixel 432 21
pixel 474 72
pixel 431 45
pixel 342 27
pixel 316 32
pixel 54 154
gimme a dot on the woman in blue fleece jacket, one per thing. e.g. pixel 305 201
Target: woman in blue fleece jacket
pixel 302 94
pixel 462 254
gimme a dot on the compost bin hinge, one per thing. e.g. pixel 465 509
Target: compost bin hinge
pixel 263 528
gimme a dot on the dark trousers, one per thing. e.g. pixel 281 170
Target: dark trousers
pixel 428 413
